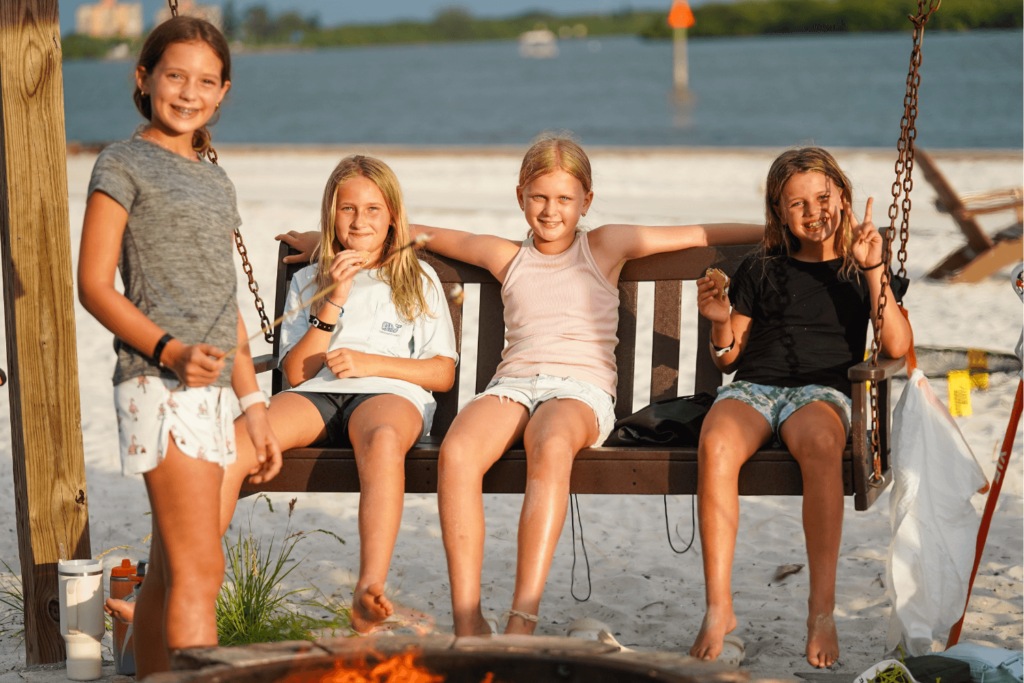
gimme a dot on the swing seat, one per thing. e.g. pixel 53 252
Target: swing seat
pixel 644 470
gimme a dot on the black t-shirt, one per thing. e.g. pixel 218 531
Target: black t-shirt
pixel 807 325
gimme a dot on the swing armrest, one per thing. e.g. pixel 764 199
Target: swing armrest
pixel 887 367
pixel 265 362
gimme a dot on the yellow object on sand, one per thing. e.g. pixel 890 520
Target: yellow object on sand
pixel 960 393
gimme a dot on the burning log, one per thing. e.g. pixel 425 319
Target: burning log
pixel 442 659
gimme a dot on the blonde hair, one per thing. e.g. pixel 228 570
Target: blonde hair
pixel 556 152
pixel 778 238
pixel 401 268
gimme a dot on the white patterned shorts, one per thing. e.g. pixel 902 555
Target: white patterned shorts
pixel 149 413
pixel 536 389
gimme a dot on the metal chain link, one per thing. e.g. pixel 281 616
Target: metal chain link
pixel 268 331
pixel 900 187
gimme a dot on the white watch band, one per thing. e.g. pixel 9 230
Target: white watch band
pixel 249 400
pixel 721 352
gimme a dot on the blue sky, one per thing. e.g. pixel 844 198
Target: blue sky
pixel 361 11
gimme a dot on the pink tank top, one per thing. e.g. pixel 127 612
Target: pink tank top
pixel 561 315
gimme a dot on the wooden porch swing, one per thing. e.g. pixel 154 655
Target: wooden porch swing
pixel 643 470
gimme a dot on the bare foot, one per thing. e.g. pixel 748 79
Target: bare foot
pixel 822 640
pixel 717 622
pixel 120 610
pixel 370 607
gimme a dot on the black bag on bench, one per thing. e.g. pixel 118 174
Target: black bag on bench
pixel 672 422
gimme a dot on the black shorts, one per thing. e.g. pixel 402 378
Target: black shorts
pixel 336 410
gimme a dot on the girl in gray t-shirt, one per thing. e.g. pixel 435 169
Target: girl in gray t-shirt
pixel 164 217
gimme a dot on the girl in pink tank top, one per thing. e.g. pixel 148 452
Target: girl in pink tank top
pixel 555 385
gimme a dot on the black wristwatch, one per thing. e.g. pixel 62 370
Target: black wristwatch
pixel 719 352
pixel 320 324
pixel 159 349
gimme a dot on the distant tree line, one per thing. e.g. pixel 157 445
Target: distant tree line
pixel 256 27
pixel 457 24
pixel 758 17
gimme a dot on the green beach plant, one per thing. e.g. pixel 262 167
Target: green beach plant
pixel 12 605
pixel 252 606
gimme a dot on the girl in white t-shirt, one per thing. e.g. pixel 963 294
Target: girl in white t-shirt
pixel 362 361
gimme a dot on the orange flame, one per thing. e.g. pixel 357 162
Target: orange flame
pixel 398 669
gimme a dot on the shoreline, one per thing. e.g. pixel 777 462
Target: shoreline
pixel 75 147
pixel 243 50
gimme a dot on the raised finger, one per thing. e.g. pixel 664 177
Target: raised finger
pixel 867 209
pixel 848 208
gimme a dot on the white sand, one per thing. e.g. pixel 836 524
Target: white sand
pixel 652 598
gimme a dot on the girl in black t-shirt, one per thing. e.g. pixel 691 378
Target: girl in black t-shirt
pixel 798 319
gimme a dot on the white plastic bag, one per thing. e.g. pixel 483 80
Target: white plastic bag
pixel 934 524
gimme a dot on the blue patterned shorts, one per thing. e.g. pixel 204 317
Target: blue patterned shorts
pixel 776 404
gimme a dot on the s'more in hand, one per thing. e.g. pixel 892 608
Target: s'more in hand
pixel 721 281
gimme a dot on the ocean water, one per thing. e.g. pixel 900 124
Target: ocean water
pixel 834 90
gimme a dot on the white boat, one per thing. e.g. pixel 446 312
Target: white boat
pixel 538 44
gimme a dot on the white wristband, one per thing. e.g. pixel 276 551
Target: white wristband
pixel 249 400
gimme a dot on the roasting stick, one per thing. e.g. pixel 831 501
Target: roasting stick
pixel 415 244
pixel 309 302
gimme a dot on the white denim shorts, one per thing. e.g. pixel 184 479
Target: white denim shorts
pixel 199 419
pixel 536 389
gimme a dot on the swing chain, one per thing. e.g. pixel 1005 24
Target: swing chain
pixel 268 331
pixel 900 187
pixel 211 154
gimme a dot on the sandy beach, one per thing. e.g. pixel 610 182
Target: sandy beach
pixel 652 598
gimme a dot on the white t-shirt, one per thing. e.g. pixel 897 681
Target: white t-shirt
pixel 371 324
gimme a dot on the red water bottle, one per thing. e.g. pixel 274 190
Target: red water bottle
pixel 123 580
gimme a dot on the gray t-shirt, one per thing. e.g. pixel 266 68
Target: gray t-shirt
pixel 176 261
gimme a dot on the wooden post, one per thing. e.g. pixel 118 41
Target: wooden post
pixel 46 429
pixel 680 18
pixel 680 66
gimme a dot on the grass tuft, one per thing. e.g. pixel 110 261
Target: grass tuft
pixel 12 605
pixel 252 607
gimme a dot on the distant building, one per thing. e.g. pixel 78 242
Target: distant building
pixel 210 13
pixel 109 19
